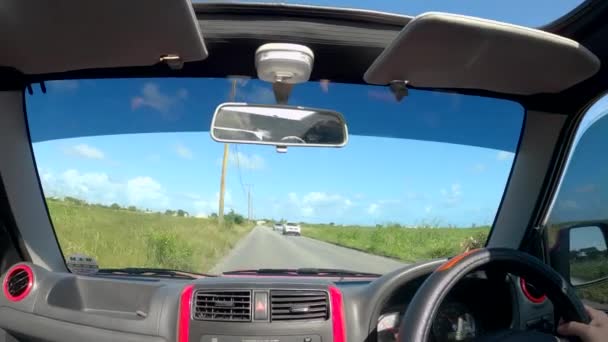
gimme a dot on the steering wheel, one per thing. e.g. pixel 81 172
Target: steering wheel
pixel 420 313
pixel 293 137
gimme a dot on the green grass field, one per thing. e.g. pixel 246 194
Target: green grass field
pixel 589 270
pixel 123 238
pixel 407 244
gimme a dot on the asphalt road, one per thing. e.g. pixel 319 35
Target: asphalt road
pixel 265 248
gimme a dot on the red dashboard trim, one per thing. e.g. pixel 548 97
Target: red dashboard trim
pixel 337 314
pixel 529 296
pixel 183 323
pixel 30 284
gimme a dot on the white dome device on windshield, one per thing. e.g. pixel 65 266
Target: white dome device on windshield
pixel 284 63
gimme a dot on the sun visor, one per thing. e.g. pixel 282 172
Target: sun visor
pixel 439 50
pixel 42 36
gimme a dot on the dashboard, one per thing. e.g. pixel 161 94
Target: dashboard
pixel 475 306
pixel 38 305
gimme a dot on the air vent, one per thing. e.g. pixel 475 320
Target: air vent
pixel 296 305
pixel 18 283
pixel 531 292
pixel 229 305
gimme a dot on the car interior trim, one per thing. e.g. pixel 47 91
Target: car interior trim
pixel 532 161
pixel 22 185
pixel 96 43
pixel 530 296
pixel 185 306
pixel 567 145
pixel 337 314
pixel 28 287
pixel 454 260
pixel 496 56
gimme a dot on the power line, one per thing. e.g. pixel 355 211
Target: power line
pixel 238 166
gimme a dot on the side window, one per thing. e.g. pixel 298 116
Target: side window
pixel 577 224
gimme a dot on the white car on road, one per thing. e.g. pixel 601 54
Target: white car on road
pixel 292 229
pixel 278 227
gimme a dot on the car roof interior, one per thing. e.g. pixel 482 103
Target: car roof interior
pixel 335 35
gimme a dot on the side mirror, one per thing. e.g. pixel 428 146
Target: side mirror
pixel 581 253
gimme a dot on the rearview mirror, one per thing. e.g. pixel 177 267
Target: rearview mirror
pixel 278 125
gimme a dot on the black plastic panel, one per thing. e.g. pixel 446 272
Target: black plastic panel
pixel 262 330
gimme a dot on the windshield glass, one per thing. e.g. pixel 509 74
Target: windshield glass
pixel 520 12
pixel 132 177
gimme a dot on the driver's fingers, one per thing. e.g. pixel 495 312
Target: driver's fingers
pixel 595 315
pixel 574 329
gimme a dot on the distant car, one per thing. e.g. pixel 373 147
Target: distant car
pixel 292 229
pixel 278 227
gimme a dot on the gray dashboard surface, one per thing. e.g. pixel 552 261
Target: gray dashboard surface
pixel 69 307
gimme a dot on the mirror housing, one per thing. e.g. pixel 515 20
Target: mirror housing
pixel 580 253
pixel 278 125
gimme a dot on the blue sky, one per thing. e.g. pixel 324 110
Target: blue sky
pixel 520 12
pixel 440 158
pixel 434 158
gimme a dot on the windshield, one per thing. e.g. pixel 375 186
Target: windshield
pixel 132 177
pixel 520 12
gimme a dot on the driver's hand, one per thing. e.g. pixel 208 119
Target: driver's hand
pixel 595 331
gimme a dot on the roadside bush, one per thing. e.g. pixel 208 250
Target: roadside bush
pixel 234 218
pixel 167 250
pixel 477 240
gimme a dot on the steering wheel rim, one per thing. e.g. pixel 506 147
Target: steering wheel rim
pixel 421 311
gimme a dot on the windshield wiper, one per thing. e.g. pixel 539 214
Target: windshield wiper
pixel 153 272
pixel 318 272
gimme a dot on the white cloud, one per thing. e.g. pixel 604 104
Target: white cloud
pixel 251 162
pixel 204 207
pixel 307 211
pixel 314 203
pixel 452 196
pixel 85 151
pixel 183 151
pixel 428 209
pixel 152 97
pixel 146 191
pixel 373 208
pixel 504 155
pixel 98 187
pixel 63 85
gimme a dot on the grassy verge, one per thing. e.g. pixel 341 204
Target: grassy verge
pixel 589 270
pixel 407 244
pixel 122 238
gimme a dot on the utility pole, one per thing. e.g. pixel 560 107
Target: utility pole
pixel 249 202
pixel 220 213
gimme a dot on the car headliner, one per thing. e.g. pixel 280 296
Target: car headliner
pixel 233 31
